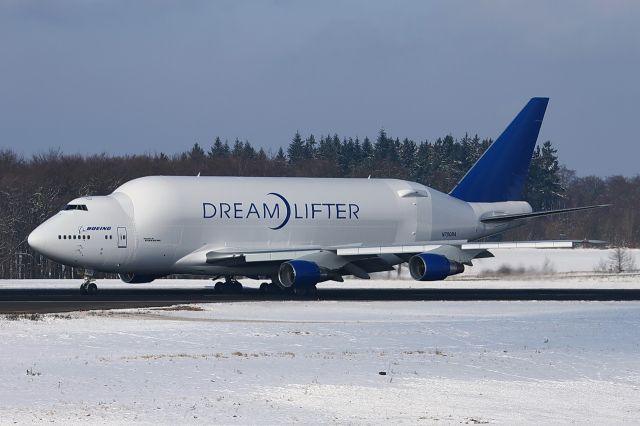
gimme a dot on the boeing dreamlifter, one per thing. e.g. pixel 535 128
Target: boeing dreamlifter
pixel 297 232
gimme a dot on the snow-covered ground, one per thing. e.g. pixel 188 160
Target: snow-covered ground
pixel 320 362
pixel 547 260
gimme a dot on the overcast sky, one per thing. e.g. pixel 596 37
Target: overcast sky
pixel 149 76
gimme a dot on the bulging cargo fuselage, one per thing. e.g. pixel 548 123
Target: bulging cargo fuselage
pixel 148 225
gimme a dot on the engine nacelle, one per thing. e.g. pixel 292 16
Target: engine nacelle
pixel 300 273
pixel 136 279
pixel 433 267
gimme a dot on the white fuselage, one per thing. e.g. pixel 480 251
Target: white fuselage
pixel 147 225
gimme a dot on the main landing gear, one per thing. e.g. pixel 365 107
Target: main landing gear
pixel 270 288
pixel 305 290
pixel 274 287
pixel 229 286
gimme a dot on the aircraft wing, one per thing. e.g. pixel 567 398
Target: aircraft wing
pixel 362 260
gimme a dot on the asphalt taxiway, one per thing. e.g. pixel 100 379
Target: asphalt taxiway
pixel 47 300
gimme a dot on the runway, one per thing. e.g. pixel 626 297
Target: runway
pixel 46 300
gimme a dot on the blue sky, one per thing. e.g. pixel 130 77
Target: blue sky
pixel 147 76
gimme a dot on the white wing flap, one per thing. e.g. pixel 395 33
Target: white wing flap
pixel 518 244
pixel 277 255
pixel 463 245
pixel 359 251
pixel 528 244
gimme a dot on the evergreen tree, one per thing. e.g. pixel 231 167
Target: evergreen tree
pixel 346 156
pixel 357 151
pixel 238 149
pixel 367 149
pixel 407 153
pixel 310 148
pixel 385 148
pixel 196 153
pixel 543 189
pixel 280 156
pixel 328 148
pixel 423 163
pixel 296 149
pixel 219 150
pixel 248 151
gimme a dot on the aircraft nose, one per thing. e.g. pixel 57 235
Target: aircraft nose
pixel 36 239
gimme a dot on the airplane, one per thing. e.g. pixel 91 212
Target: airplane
pixel 298 232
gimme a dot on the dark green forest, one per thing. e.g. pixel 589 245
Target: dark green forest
pixel 34 188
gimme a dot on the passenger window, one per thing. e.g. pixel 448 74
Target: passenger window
pixel 59 237
pixel 88 237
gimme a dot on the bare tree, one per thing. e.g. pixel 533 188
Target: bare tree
pixel 620 260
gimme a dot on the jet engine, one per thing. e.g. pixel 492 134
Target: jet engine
pixel 433 267
pixel 136 279
pixel 300 273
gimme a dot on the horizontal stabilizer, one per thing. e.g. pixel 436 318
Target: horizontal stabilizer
pixel 510 217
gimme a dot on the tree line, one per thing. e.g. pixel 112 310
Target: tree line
pixel 34 188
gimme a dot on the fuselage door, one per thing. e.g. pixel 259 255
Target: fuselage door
pixel 122 237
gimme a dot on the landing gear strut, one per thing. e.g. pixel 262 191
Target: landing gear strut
pixel 229 285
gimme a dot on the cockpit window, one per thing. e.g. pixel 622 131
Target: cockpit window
pixel 76 207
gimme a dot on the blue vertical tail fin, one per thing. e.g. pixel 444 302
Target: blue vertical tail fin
pixel 500 173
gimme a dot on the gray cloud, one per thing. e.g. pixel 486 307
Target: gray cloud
pixel 119 76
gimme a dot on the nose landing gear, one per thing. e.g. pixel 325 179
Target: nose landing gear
pixel 88 286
